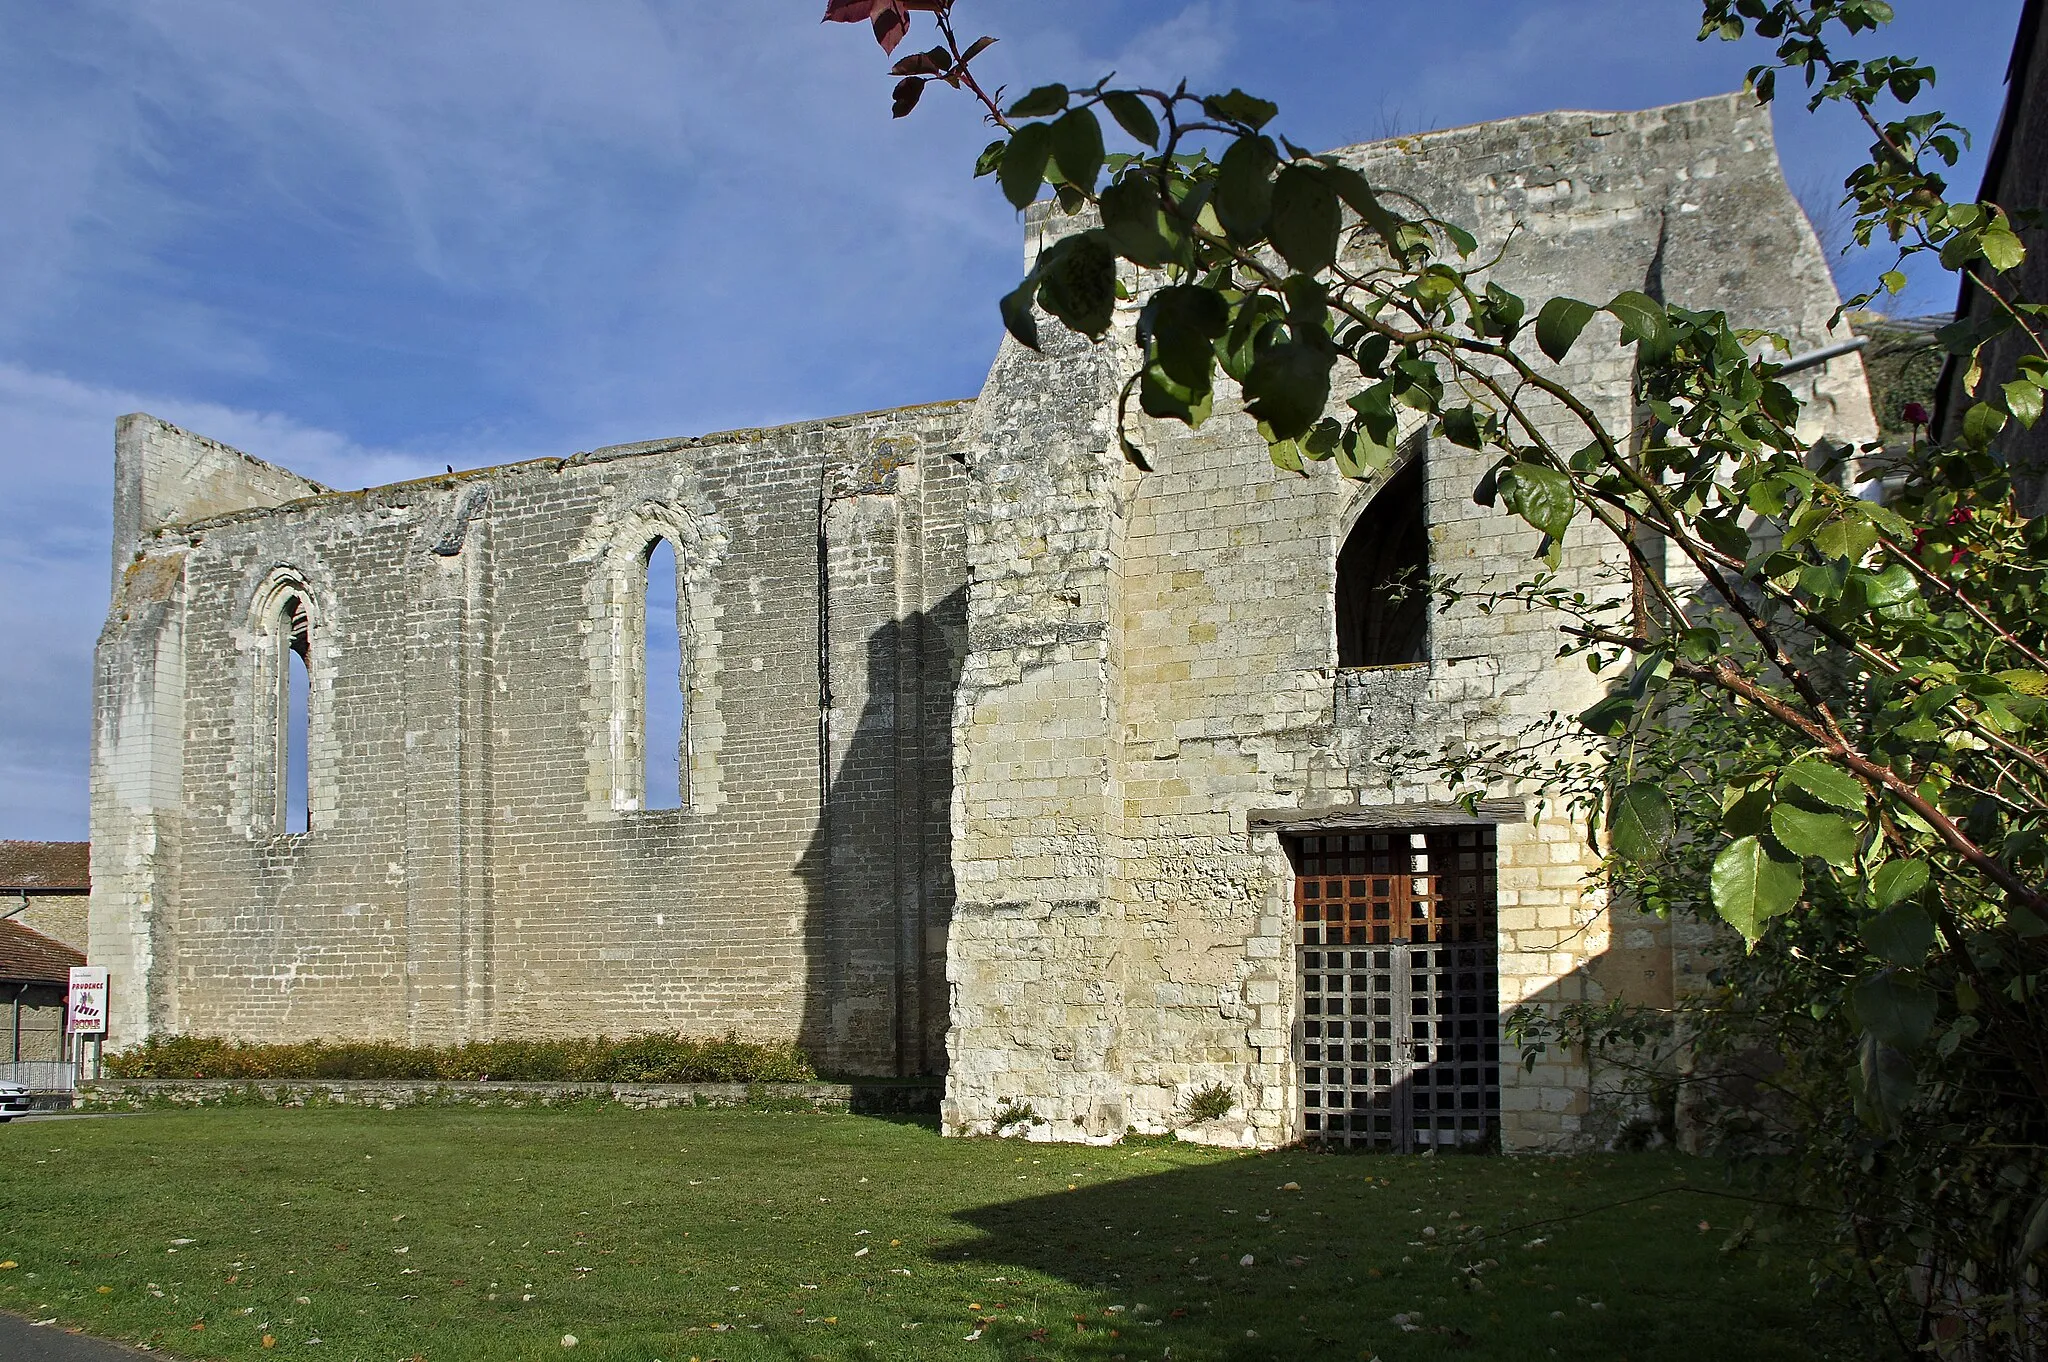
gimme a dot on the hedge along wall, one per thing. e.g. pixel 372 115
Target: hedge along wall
pixel 652 1058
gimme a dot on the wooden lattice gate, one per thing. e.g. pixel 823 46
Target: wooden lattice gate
pixel 1400 987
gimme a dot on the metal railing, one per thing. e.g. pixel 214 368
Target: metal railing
pixel 41 1075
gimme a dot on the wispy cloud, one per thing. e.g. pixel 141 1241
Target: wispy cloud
pixel 364 240
pixel 56 483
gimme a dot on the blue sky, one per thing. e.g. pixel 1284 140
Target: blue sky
pixel 370 239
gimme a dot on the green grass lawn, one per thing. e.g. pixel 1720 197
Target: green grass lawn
pixel 446 1234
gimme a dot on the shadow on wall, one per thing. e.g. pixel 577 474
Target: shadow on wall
pixel 878 875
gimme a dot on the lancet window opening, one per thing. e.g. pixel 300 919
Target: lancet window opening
pixel 1382 595
pixel 292 715
pixel 663 683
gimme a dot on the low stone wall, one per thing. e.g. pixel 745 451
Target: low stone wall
pixel 871 1098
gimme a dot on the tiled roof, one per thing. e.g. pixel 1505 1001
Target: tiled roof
pixel 45 865
pixel 32 958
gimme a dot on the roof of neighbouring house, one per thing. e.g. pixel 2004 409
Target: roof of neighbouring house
pixel 28 957
pixel 63 867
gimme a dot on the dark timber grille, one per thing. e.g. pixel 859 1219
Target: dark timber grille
pixel 1400 990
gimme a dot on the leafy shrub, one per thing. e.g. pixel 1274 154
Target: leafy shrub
pixel 1212 1103
pixel 650 1058
pixel 1013 1113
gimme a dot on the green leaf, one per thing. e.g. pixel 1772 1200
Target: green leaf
pixel 1608 717
pixel 1288 388
pixel 2036 1237
pixel 991 157
pixel 1559 323
pixel 1893 281
pixel 1504 311
pixel 1897 881
pixel 1018 318
pixel 1178 326
pixel 1640 821
pixel 1159 394
pixel 1306 219
pixel 1132 217
pixel 1046 99
pixel 1358 195
pixel 2026 682
pixel 2023 400
pixel 1900 935
pixel 1643 321
pixel 1888 1083
pixel 1078 275
pixel 1542 496
pixel 1847 538
pixel 1725 533
pixel 1244 188
pixel 1891 594
pixel 1077 148
pixel 1257 319
pixel 1895 1008
pixel 1829 785
pixel 1239 107
pixel 1023 167
pixel 1804 832
pixel 1463 427
pixel 1746 813
pixel 1981 425
pixel 1133 115
pixel 1751 885
pixel 2002 250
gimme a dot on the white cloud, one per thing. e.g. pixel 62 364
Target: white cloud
pixel 367 239
pixel 56 481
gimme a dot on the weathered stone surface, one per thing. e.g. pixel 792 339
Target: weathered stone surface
pixel 478 862
pixel 991 739
pixel 1150 659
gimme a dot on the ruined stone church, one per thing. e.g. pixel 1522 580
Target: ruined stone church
pixel 998 758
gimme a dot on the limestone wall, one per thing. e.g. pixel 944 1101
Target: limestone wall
pixel 1152 659
pixel 990 739
pixel 478 862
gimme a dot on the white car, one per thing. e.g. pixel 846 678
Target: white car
pixel 13 1101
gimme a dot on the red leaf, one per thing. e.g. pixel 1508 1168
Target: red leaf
pixel 930 63
pixel 849 11
pixel 891 23
pixel 979 46
pixel 908 91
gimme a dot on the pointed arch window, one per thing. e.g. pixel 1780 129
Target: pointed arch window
pixel 286 704
pixel 296 711
pixel 1383 577
pixel 663 682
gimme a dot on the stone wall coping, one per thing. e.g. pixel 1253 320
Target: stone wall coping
pixel 393 492
pixel 1383 817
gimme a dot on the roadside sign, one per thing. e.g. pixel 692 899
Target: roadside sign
pixel 85 1005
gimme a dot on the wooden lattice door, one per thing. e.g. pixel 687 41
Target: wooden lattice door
pixel 1400 987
